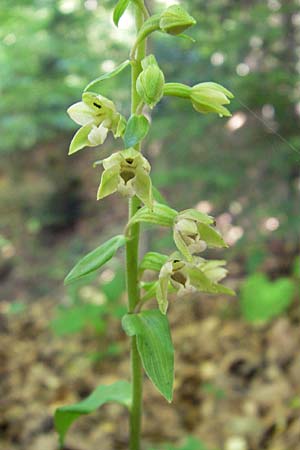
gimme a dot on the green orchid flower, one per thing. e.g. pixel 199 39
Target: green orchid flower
pixel 128 173
pixel 194 231
pixel 189 277
pixel 97 116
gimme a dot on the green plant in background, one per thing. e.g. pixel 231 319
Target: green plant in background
pixel 191 443
pixel 262 300
pixel 128 172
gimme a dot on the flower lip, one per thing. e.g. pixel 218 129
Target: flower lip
pixel 127 175
pixel 179 277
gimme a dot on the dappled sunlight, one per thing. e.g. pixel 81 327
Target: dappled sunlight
pixel 237 121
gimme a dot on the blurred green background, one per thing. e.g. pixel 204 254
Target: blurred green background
pixel 244 170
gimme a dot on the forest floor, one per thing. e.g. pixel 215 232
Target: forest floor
pixel 233 381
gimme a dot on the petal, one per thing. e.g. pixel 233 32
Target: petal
pixel 109 182
pixel 143 187
pixel 81 113
pixel 162 292
pixel 97 135
pixel 96 102
pixel 181 245
pixel 80 139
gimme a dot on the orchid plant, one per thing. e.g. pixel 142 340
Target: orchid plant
pixel 128 172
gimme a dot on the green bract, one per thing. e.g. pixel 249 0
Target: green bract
pixel 150 82
pixel 97 115
pixel 128 173
pixel 175 20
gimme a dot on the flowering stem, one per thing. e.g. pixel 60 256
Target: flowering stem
pixel 132 248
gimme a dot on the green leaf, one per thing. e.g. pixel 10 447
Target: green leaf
pixel 119 10
pixel 80 139
pixel 198 216
pixel 160 215
pixel 261 299
pixel 155 347
pixel 150 288
pixel 136 129
pixel 158 196
pixel 95 84
pixel 95 259
pixel 119 392
pixel 211 236
pixel 153 261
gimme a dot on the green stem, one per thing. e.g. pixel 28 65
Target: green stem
pixel 132 249
pixel 177 90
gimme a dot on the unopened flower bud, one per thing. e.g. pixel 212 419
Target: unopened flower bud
pixel 210 97
pixel 175 20
pixel 150 82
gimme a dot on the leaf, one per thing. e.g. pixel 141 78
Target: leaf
pixel 211 236
pixel 198 216
pixel 160 215
pixel 136 129
pixel 95 259
pixel 95 84
pixel 119 10
pixel 155 347
pixel 80 139
pixel 119 392
pixel 261 299
pixel 150 288
pixel 153 261
pixel 158 196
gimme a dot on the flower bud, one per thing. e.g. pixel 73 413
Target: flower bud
pixel 150 82
pixel 175 20
pixel 210 97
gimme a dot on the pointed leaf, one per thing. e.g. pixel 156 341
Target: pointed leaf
pixel 211 236
pixel 119 10
pixel 193 214
pixel 95 259
pixel 155 347
pixel 153 261
pixel 95 84
pixel 80 139
pixel 150 288
pixel 136 129
pixel 160 215
pixel 119 392
pixel 158 197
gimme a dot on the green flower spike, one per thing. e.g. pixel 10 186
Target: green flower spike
pixel 188 277
pixel 194 231
pixel 97 115
pixel 210 97
pixel 175 20
pixel 128 173
pixel 150 82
